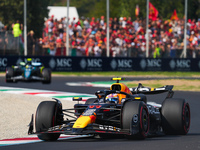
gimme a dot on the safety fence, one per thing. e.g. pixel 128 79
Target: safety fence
pixel 10 45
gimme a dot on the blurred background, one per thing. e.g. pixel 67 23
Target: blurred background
pixel 128 33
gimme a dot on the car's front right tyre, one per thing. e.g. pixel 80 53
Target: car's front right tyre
pixel 48 114
pixel 9 74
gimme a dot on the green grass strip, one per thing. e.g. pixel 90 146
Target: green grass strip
pixel 131 73
pixel 2 90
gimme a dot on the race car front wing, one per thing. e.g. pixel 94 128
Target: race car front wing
pixel 90 129
pixel 22 78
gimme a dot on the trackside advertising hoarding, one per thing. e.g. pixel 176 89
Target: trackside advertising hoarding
pixel 105 64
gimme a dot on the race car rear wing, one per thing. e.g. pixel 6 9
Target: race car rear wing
pixel 148 90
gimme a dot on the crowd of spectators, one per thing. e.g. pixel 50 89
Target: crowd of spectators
pixel 87 37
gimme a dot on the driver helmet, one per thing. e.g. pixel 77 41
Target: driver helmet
pixel 112 98
pixel 28 61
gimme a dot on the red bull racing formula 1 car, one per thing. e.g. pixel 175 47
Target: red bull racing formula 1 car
pixel 117 111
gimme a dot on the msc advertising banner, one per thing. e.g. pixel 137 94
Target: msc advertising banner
pixel 105 64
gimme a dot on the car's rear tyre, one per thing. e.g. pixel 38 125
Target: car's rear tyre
pixel 46 73
pixel 9 74
pixel 91 100
pixel 175 116
pixel 135 113
pixel 48 114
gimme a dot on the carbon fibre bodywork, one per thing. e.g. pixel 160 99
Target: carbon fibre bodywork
pixel 132 116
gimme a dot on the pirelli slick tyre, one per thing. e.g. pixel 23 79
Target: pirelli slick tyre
pixel 175 116
pixel 91 100
pixel 135 113
pixel 48 114
pixel 46 73
pixel 9 74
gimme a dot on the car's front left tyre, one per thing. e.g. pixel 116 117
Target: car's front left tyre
pixel 135 119
pixel 175 116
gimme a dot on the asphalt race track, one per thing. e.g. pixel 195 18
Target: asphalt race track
pixel 189 142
